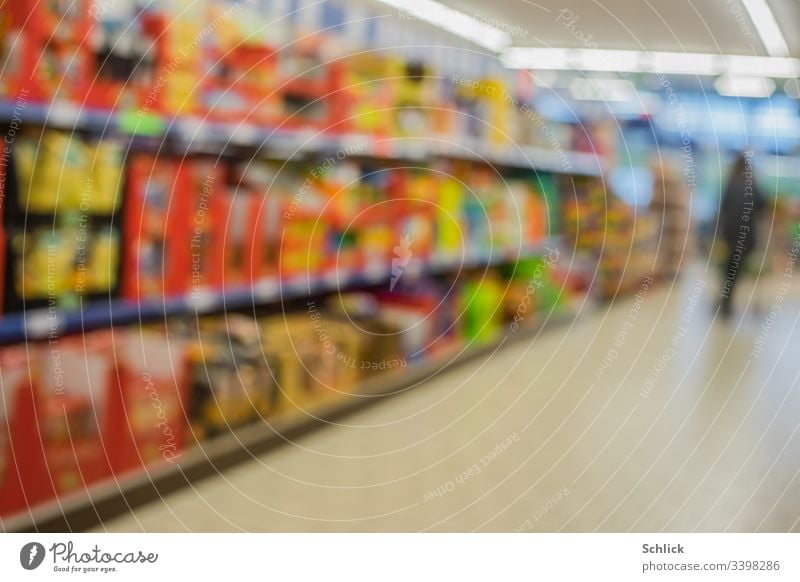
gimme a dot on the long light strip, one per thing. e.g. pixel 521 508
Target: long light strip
pixel 644 62
pixel 605 90
pixel 768 29
pixel 455 22
pixel 744 86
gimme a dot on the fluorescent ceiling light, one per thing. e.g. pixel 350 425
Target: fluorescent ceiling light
pixel 643 62
pixel 592 60
pixel 762 66
pixel 767 27
pixel 552 59
pixel 601 89
pixel 744 86
pixel 684 63
pixel 549 59
pixel 455 22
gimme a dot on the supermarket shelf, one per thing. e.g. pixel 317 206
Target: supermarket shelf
pixel 59 114
pixel 45 323
pixel 199 134
pixel 118 495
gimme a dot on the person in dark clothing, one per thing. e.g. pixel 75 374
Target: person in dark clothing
pixel 738 220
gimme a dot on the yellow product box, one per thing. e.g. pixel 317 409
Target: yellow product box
pixel 107 159
pixel 450 235
pixel 53 173
pixel 295 357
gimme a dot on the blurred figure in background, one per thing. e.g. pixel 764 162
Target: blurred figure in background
pixel 739 216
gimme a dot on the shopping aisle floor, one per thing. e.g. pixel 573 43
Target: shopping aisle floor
pixel 646 415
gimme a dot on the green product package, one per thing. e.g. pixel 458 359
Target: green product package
pixel 536 270
pixel 480 310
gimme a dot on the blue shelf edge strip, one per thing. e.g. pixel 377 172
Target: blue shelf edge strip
pixel 50 323
pixel 197 132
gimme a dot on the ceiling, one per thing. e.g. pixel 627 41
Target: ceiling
pixel 705 26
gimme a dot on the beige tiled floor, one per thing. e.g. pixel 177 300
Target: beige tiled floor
pixel 714 446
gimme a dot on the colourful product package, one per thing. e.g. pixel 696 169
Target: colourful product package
pixel 156 262
pixel 72 411
pixel 229 375
pixel 481 309
pixel 21 480
pixel 149 401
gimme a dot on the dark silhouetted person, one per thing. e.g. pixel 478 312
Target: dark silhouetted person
pixel 738 222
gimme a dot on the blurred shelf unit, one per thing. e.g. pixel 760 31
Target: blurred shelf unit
pixel 194 134
pixel 671 210
pixel 191 97
pixel 94 238
pixel 622 239
pixel 216 75
pixel 87 413
pixel 118 464
pixel 200 171
pixel 44 323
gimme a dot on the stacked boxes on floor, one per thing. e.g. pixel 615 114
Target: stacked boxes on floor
pixel 82 409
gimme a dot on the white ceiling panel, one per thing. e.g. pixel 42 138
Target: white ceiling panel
pixel 702 26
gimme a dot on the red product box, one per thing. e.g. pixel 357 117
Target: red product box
pixel 148 418
pixel 55 50
pixel 201 233
pixel 110 89
pixel 536 219
pixel 15 52
pixel 240 84
pixel 72 403
pixel 262 260
pixel 313 87
pixel 239 239
pixel 19 464
pixel 156 254
pixel 3 243
pixel 304 244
